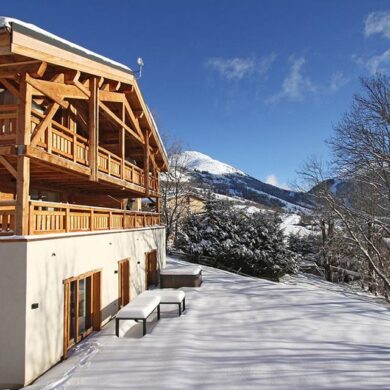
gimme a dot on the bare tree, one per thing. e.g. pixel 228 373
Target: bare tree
pixel 175 189
pixel 361 150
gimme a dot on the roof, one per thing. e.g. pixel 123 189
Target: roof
pixel 45 36
pixel 54 49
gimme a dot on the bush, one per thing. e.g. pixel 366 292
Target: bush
pixel 252 243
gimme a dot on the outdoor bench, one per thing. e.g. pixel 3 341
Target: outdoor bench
pixel 139 309
pixel 169 297
pixel 188 276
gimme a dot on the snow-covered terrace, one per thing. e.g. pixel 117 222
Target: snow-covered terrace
pixel 241 333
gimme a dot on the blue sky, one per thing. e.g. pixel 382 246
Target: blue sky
pixel 256 84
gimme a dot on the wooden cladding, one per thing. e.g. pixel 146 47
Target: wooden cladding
pixel 46 217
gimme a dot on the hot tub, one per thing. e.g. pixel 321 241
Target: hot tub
pixel 186 276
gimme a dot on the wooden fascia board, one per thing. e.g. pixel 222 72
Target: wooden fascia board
pixel 37 49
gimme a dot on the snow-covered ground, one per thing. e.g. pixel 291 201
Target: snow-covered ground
pixel 242 333
pixel 291 225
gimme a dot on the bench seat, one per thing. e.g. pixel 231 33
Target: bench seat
pixel 169 297
pixel 139 309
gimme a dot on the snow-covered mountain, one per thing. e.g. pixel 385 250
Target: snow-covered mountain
pixel 197 161
pixel 207 173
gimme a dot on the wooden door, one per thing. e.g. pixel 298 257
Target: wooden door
pixel 123 282
pixel 151 269
pixel 82 307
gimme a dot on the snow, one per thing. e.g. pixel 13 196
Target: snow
pixel 290 225
pixel 241 333
pixel 7 22
pixel 201 162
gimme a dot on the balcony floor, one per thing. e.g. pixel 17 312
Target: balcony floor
pixel 242 333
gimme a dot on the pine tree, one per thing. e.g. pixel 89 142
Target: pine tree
pixel 252 243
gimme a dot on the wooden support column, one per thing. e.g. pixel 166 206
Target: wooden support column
pixel 146 162
pixel 93 127
pixel 122 143
pixel 23 137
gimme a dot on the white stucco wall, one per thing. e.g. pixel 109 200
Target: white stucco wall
pixel 50 260
pixel 12 312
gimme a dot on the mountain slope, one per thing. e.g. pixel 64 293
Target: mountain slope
pixel 206 173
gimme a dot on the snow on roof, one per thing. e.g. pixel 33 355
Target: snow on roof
pixel 201 162
pixel 8 22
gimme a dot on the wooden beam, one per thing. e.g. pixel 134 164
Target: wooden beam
pixel 114 119
pixel 122 144
pixel 13 70
pixel 93 127
pixel 49 89
pixel 23 163
pixel 8 167
pixel 56 162
pixel 6 150
pixel 40 129
pixel 133 119
pixel 11 88
pixel 139 114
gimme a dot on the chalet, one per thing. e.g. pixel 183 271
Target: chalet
pixel 78 150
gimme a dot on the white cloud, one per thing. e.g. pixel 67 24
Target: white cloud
pixel 237 68
pixel 274 181
pixel 232 68
pixel 379 63
pixel 295 85
pixel 337 81
pixel 265 63
pixel 377 23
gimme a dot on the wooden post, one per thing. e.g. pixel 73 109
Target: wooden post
pixel 93 127
pixel 122 143
pixel 67 219
pixel 92 224
pixel 23 137
pixel 146 162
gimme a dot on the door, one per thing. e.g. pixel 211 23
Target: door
pixel 123 282
pixel 151 269
pixel 82 307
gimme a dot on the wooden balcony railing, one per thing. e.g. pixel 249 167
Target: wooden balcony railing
pixel 8 123
pixel 47 217
pixel 7 218
pixel 61 141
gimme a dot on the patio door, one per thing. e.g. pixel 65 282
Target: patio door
pixel 151 269
pixel 82 307
pixel 123 282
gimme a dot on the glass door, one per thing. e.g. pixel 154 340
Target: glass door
pixel 81 308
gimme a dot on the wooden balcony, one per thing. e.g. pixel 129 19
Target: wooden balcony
pixel 8 123
pixel 57 141
pixel 49 218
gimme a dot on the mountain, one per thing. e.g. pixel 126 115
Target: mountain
pixel 204 172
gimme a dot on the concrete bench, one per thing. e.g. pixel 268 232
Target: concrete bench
pixel 169 297
pixel 139 309
pixel 187 276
